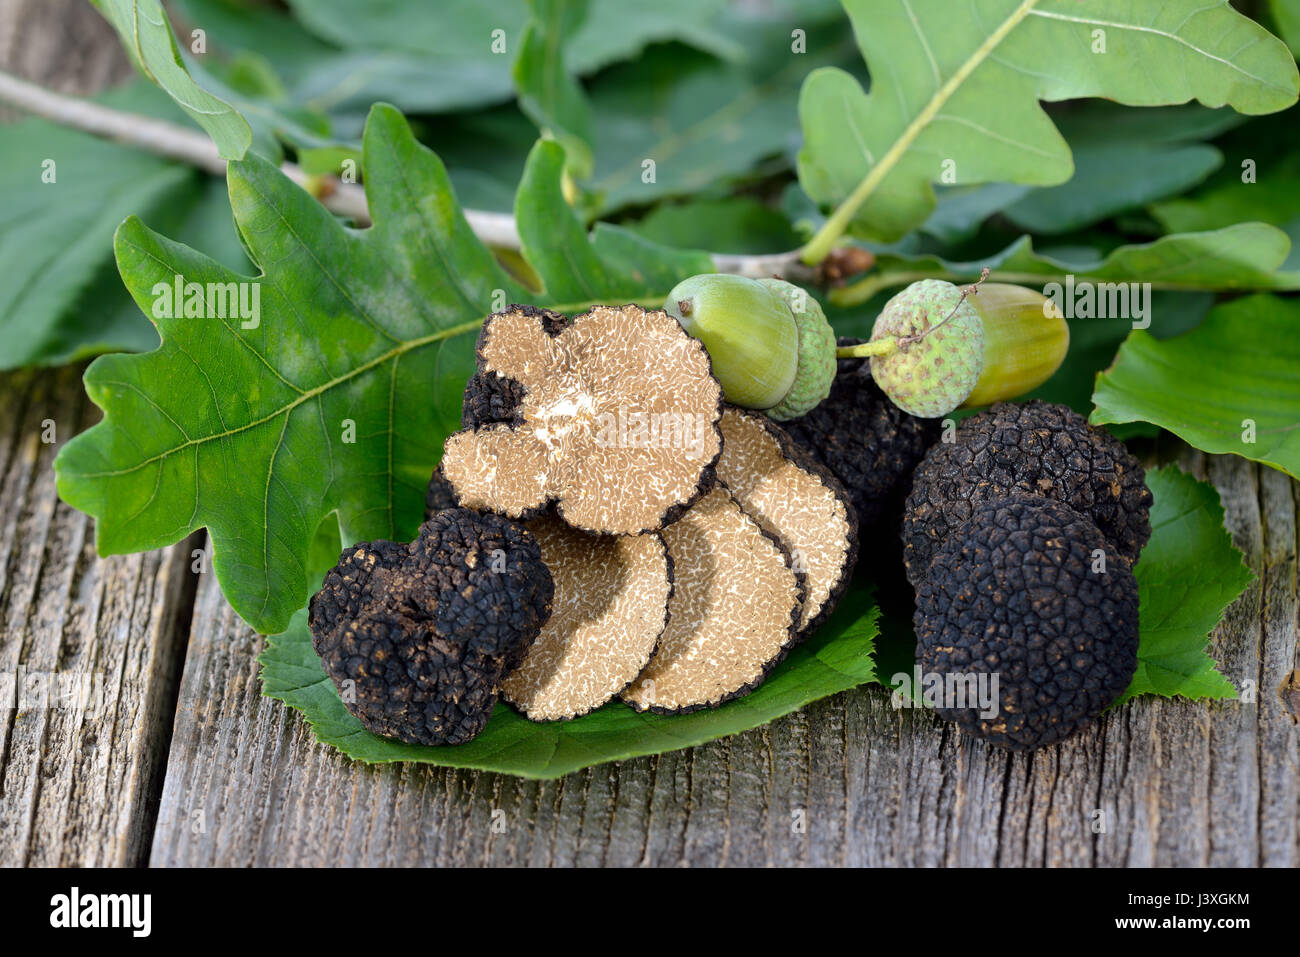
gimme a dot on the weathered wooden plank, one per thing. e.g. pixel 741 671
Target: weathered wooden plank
pixel 79 772
pixel 847 781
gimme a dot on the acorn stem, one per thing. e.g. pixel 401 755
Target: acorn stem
pixel 881 347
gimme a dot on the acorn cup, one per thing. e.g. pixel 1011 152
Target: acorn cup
pixel 937 347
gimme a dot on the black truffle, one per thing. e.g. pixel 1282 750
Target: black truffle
pixel 1036 448
pixel 439 495
pixel 864 440
pixel 419 637
pixel 1018 592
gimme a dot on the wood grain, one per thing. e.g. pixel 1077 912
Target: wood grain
pixel 1177 783
pixel 79 776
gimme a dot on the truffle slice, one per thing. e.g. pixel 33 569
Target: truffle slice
pixel 489 397
pixel 418 637
pixel 1018 592
pixel 864 440
pixel 795 499
pixel 610 607
pixel 617 421
pixel 1034 448
pixel 733 614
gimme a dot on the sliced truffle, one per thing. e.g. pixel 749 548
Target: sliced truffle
pixel 1036 448
pixel 418 637
pixel 1018 593
pixel 491 398
pixel 617 421
pixel 733 614
pixel 795 499
pixel 610 607
pixel 869 444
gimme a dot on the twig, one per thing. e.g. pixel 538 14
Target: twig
pixel 348 199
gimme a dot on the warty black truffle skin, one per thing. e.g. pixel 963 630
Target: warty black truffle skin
pixel 869 444
pixel 1035 448
pixel 418 637
pixel 1013 592
pixel 439 495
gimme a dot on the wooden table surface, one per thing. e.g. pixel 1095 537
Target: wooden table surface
pixel 185 763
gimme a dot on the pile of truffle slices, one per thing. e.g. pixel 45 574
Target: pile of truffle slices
pixel 603 527
pixel 1019 538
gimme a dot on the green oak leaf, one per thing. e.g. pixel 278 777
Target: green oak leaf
pixel 1230 386
pixel 702 121
pixel 548 93
pixel 1124 157
pixel 835 659
pixel 1246 256
pixel 338 398
pixel 613 265
pixel 149 40
pixel 1188 574
pixel 734 224
pixel 462 30
pixel 956 91
pixel 64 299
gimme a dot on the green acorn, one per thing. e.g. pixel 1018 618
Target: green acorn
pixel 749 331
pixel 769 340
pixel 1025 342
pixel 936 347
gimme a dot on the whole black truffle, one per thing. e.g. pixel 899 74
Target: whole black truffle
pixel 439 495
pixel 864 440
pixel 1018 592
pixel 419 637
pixel 1036 448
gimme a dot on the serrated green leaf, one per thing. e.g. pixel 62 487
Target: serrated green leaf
pixel 148 38
pixel 956 89
pixel 242 429
pixel 338 399
pixel 835 659
pixel 1230 386
pixel 1188 574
